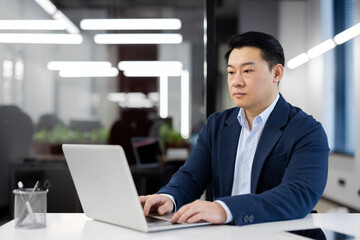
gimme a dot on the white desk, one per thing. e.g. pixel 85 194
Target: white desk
pixel 78 226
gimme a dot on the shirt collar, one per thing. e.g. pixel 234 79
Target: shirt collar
pixel 262 117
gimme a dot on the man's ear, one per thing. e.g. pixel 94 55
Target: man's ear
pixel 278 73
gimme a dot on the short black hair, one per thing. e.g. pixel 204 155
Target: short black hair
pixel 271 50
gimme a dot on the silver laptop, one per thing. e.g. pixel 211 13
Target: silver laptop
pixel 106 189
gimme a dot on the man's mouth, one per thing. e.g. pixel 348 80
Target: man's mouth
pixel 237 94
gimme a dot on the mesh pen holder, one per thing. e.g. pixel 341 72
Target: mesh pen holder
pixel 30 208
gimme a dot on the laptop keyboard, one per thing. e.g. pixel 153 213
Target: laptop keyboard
pixel 152 221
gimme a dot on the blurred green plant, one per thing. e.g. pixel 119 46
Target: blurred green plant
pixel 169 135
pixel 62 134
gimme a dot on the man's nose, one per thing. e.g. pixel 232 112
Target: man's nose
pixel 238 81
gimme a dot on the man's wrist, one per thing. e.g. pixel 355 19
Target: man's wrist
pixel 229 216
pixel 171 198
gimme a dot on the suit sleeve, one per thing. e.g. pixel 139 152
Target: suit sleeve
pixel 187 184
pixel 301 187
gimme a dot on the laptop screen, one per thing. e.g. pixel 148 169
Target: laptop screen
pixel 146 151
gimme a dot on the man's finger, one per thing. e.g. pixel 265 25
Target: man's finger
pixel 179 213
pixel 196 218
pixel 143 198
pixel 166 207
pixel 148 204
pixel 187 214
pixel 184 213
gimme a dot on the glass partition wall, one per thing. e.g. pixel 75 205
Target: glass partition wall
pixel 99 72
pixel 123 59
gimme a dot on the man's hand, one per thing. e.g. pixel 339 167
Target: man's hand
pixel 200 211
pixel 156 203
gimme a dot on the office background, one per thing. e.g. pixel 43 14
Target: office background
pixel 109 107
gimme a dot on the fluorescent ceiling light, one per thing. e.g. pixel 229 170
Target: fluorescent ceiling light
pixel 40 38
pixel 139 73
pixel 73 73
pixel 131 24
pixel 116 97
pixel 154 96
pixel 70 27
pixel 321 48
pixel 131 100
pixel 138 38
pixel 163 89
pixel 73 65
pixel 347 34
pixel 31 25
pixel 51 9
pixel 48 6
pixel 151 68
pixel 134 65
pixel 297 61
pixel 185 105
pixel 143 103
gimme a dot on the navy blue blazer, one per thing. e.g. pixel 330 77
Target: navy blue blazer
pixel 289 170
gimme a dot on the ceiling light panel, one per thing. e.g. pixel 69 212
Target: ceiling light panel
pixel 39 38
pixel 32 25
pixel 131 24
pixel 139 38
pixel 69 65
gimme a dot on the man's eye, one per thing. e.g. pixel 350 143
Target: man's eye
pixel 230 73
pixel 248 71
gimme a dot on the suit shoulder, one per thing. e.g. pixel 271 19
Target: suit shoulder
pixel 303 122
pixel 298 115
pixel 228 114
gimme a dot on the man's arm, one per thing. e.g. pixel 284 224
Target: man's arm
pixel 190 181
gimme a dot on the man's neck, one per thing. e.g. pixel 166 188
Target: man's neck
pixel 251 114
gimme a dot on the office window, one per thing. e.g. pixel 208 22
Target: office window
pixel 344 128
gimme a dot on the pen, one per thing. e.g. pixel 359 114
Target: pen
pixel 46 185
pixel 36 187
pixel 27 205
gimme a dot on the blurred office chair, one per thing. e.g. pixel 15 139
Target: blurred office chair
pixel 16 131
pixel 134 123
pixel 48 122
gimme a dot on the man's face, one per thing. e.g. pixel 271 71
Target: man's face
pixel 252 85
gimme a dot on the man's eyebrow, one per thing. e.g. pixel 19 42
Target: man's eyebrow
pixel 243 65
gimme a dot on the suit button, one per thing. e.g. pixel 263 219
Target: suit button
pixel 251 218
pixel 246 219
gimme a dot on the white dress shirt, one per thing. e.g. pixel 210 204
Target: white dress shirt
pixel 248 141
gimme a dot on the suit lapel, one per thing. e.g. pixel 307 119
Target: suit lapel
pixel 229 137
pixel 269 137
